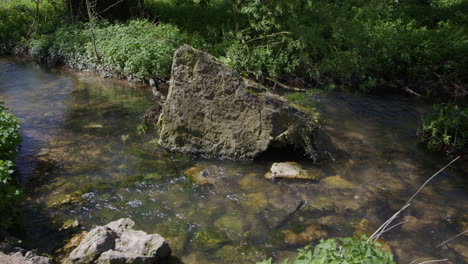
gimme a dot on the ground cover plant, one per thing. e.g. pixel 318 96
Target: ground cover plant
pixel 10 195
pixel 347 250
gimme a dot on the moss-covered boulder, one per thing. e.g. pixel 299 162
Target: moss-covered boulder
pixel 210 111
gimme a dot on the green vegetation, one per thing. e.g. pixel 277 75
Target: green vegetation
pixel 136 49
pixel 10 196
pixel 341 250
pixel 445 129
pixel 370 46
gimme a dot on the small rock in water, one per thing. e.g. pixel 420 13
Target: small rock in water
pixel 288 170
pixel 198 174
pixel 310 234
pixel 118 243
pixel 338 182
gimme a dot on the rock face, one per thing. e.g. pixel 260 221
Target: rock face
pixel 28 258
pixel 117 243
pixel 211 110
pixel 288 170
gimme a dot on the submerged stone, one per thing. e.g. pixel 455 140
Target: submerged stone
pixel 288 170
pixel 210 111
pixel 240 254
pixel 198 174
pixel 338 182
pixel 232 222
pixel 311 233
pixel 210 237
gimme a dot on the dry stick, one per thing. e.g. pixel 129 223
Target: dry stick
pixel 390 228
pixel 284 86
pixel 111 6
pixel 414 195
pixel 432 261
pixel 382 228
pixel 450 239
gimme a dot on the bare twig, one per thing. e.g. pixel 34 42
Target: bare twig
pixel 383 228
pixel 284 86
pixel 425 183
pixel 429 261
pixel 109 7
pixel 390 228
pixel 452 238
pixel 270 35
pixel 375 236
pixel 90 7
pixel 411 91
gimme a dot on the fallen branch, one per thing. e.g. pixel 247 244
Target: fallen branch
pixel 452 238
pixel 284 86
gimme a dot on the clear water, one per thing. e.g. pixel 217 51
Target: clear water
pixel 82 158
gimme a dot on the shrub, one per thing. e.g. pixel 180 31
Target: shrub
pixel 445 128
pixel 140 48
pixel 137 49
pixel 9 135
pixel 10 197
pixel 9 194
pixel 341 250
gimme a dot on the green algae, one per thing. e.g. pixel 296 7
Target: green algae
pixel 210 238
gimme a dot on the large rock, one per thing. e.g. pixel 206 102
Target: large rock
pixel 211 110
pixel 97 241
pixel 117 243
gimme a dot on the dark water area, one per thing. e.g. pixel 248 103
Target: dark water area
pixel 82 158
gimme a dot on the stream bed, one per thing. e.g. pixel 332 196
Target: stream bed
pixel 82 159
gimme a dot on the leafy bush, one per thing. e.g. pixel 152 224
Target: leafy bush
pixel 445 128
pixel 140 48
pixel 137 49
pixel 341 250
pixel 9 135
pixel 9 194
pixel 365 45
pixel 20 20
pixel 10 197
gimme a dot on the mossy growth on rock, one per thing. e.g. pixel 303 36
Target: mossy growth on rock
pixel 197 174
pixel 210 238
pixel 209 111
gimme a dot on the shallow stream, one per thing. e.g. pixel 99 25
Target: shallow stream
pixel 82 158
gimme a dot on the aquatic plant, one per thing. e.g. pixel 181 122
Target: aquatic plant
pixel 445 129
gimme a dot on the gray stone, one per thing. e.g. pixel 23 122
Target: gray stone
pixel 39 260
pixel 288 170
pixel 19 254
pixel 117 257
pixel 121 225
pixel 97 241
pixel 211 110
pixel 140 243
pixel 117 243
